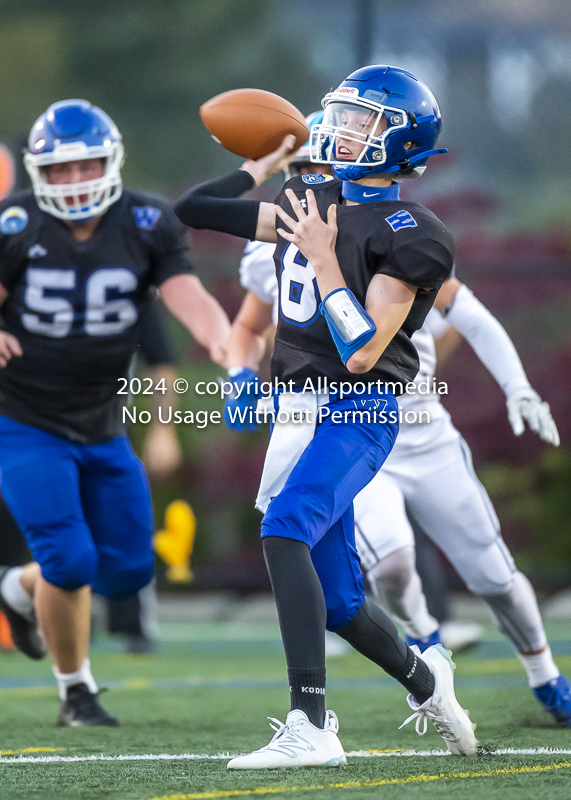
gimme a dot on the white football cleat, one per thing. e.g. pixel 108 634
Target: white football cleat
pixel 298 743
pixel 449 718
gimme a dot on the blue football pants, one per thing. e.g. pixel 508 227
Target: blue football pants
pixel 316 504
pixel 85 510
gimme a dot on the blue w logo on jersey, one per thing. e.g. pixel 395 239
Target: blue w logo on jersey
pixel 402 219
pixel 146 216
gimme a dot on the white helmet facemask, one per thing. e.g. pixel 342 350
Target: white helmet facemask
pixel 85 199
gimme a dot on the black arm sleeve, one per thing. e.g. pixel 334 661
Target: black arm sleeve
pixel 212 205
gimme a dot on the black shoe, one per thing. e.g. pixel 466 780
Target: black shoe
pixel 82 707
pixel 24 629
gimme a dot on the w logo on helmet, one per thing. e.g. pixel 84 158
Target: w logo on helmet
pixel 146 216
pixel 402 219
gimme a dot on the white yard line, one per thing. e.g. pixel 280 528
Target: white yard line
pixel 531 751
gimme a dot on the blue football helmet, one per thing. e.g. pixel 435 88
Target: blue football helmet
pixel 74 130
pixel 303 156
pixel 367 121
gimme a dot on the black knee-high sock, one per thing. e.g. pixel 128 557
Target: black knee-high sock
pixel 302 616
pixel 373 634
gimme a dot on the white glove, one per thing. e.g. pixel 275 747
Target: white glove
pixel 526 404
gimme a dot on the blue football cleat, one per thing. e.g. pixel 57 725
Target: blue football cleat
pixel 555 697
pixel 428 641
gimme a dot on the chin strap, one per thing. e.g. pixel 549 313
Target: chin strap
pixel 410 162
pixel 354 172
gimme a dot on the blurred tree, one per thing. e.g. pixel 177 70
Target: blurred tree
pixel 535 504
pixel 150 66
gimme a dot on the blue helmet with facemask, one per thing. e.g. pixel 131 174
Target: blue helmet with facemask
pixel 75 130
pixel 381 119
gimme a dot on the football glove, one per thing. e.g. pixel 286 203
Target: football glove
pixel 526 405
pixel 240 406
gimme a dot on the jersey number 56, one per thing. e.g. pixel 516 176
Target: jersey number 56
pixel 103 317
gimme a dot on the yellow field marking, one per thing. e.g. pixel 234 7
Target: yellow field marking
pixel 493 665
pixel 364 784
pixel 137 683
pixel 30 691
pixel 32 750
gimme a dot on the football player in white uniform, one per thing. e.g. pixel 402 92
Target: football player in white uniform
pixel 428 479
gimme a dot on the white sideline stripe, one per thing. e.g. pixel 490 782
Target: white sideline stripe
pixel 130 757
pixel 505 751
pixel 530 751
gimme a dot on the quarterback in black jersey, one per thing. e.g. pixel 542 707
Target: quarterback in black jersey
pixel 358 271
pixel 79 258
pixel 419 254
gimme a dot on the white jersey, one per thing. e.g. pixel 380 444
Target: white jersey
pixel 423 341
pixel 258 274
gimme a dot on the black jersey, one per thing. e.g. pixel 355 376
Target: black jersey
pixel 391 237
pixel 75 308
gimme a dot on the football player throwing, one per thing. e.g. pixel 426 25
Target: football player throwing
pixel 358 271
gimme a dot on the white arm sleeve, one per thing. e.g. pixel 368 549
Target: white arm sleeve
pixel 436 323
pixel 489 340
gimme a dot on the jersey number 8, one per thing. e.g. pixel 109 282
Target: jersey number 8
pixel 299 295
pixel 40 297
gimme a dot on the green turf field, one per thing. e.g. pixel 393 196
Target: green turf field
pixel 207 694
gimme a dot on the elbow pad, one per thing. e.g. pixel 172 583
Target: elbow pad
pixel 214 206
pixel 348 322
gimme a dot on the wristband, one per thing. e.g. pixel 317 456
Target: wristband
pixel 348 322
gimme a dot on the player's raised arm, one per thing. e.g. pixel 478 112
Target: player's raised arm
pixel 491 343
pixel 199 312
pixel 216 206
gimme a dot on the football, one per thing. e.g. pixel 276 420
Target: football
pixel 252 122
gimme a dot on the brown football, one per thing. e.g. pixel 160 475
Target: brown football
pixel 251 122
